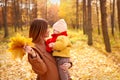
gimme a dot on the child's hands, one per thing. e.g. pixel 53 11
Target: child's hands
pixel 51 45
pixel 65 66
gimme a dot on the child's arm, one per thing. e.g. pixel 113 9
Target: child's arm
pixel 61 43
pixel 51 45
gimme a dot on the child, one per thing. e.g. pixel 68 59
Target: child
pixel 59 45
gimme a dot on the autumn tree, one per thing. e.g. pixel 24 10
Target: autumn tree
pixel 46 9
pixel 89 25
pixel 1 13
pixel 77 14
pixel 112 7
pixel 97 13
pixel 67 10
pixel 4 14
pixel 42 8
pixel 20 15
pixel 52 15
pixel 0 25
pixel 84 16
pixel 104 25
pixel 16 14
pixel 34 10
pixel 118 9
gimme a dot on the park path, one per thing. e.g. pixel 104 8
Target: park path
pixel 88 64
pixel 91 64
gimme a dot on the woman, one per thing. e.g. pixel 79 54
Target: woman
pixel 43 63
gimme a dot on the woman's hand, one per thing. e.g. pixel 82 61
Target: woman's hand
pixel 65 66
pixel 29 50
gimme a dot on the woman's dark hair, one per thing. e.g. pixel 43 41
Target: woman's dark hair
pixel 38 28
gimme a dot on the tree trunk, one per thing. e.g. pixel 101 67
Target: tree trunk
pixel 5 20
pixel 84 16
pixel 89 26
pixel 118 9
pixel 104 25
pixel 0 26
pixel 20 22
pixel 30 16
pixel 112 6
pixel 36 10
pixel 27 13
pixel 15 7
pixel 46 11
pixel 77 16
pixel 97 9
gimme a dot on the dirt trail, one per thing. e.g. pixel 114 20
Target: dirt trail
pixel 88 64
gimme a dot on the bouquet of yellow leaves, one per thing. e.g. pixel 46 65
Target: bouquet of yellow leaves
pixel 16 45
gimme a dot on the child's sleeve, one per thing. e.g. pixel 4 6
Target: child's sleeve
pixel 61 43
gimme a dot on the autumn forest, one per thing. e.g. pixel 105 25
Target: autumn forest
pixel 93 29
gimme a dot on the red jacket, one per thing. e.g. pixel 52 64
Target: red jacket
pixel 53 39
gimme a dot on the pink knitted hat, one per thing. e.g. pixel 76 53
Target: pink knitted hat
pixel 60 25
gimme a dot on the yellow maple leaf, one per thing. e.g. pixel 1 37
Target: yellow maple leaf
pixel 16 45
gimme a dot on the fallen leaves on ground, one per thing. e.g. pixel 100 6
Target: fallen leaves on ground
pixel 88 64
